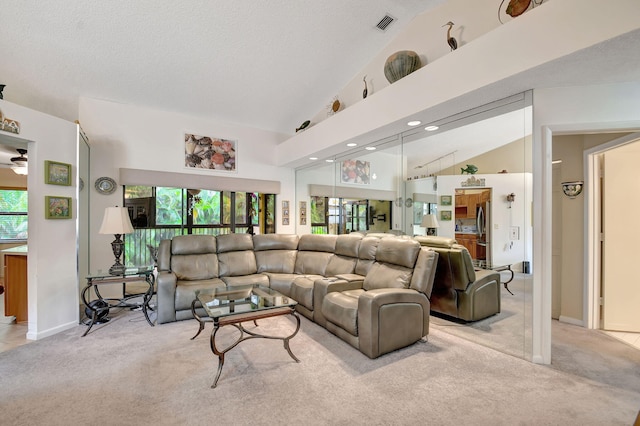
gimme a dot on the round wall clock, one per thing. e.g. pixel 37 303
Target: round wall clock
pixel 105 185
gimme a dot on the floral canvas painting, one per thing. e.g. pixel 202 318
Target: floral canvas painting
pixel 205 152
pixel 355 171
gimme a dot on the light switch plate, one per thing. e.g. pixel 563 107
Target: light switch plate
pixel 515 233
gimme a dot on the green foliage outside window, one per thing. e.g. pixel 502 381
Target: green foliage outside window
pixel 13 214
pixel 169 206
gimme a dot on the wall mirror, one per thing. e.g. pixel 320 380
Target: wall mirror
pixel 472 175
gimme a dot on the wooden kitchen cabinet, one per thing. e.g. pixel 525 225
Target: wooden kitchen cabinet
pixel 472 203
pixel 469 242
pixel 15 294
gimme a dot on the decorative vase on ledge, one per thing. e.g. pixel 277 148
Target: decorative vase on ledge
pixel 401 64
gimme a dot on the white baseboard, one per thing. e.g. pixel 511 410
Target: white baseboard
pixel 50 332
pixel 572 321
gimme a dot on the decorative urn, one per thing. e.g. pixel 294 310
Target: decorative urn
pixel 401 64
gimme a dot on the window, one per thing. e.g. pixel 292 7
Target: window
pixel 159 213
pixel 13 215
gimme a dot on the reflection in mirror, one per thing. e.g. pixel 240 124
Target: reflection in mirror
pixel 357 192
pixel 478 167
pixel 469 180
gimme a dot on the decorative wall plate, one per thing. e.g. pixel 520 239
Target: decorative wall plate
pixel 105 185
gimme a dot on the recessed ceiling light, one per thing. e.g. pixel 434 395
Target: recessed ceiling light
pixel 370 148
pixel 431 128
pixel 414 123
pixel 313 158
pixel 352 144
pixel 329 160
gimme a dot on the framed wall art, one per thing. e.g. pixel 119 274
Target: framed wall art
pixel 445 215
pixel 285 213
pixel 57 207
pixel 211 153
pixel 57 173
pixel 355 171
pixel 445 200
pixel 303 212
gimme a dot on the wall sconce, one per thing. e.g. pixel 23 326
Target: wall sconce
pixel 572 189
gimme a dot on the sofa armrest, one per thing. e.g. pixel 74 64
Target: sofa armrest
pixel 324 286
pixel 484 276
pixel 390 319
pixel 166 295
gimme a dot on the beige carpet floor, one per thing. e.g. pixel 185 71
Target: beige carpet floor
pixel 128 373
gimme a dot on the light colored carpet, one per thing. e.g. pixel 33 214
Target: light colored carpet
pixel 128 373
pixel 508 331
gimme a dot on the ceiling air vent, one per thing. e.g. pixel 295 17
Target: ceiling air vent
pixel 385 22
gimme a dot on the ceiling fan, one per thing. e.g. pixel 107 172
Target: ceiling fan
pixel 18 164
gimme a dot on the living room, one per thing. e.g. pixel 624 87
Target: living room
pixel 147 138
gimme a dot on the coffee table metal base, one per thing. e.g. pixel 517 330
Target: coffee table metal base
pixel 236 321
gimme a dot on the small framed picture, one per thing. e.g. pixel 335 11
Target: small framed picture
pixel 57 207
pixel 57 173
pixel 445 215
pixel 445 200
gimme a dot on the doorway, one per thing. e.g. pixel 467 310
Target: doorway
pixel 612 295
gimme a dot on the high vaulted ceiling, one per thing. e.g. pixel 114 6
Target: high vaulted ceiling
pixel 265 64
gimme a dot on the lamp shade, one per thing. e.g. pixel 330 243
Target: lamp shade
pixel 429 221
pixel 116 221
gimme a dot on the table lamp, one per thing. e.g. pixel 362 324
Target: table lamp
pixel 430 222
pixel 116 221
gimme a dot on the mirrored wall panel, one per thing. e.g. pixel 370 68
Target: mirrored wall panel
pixel 463 184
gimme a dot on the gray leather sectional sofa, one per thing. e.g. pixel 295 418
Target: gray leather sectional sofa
pixel 371 292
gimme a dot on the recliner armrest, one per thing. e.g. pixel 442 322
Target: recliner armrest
pixel 391 318
pixel 166 295
pixel 324 286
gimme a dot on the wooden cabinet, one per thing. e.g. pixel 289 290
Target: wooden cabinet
pixel 466 206
pixel 469 242
pixel 15 294
pixel 472 203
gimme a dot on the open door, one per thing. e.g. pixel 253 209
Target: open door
pixel 621 203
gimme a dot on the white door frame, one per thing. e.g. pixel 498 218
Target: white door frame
pixel 592 253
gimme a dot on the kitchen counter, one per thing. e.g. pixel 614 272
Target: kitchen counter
pixel 18 250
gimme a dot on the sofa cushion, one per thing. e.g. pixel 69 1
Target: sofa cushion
pixel 387 275
pixel 348 245
pixel 275 242
pixel 435 241
pixel 312 262
pixel 244 280
pixel 316 242
pixel 195 266
pixel 186 291
pixel 234 242
pixel 340 265
pixel 282 261
pixel 281 282
pixel 193 244
pixel 341 308
pixel 234 263
pixel 366 255
pixel 302 290
pixel 403 252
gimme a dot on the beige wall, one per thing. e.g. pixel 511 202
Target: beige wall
pixel 9 179
pixel 514 158
pixel 570 277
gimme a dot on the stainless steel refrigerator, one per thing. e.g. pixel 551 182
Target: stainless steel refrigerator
pixel 483 229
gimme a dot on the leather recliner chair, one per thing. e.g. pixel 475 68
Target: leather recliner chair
pixel 459 290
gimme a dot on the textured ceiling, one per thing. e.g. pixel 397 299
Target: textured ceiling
pixel 268 65
pixel 265 64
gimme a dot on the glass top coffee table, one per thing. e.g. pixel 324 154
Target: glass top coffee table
pixel 235 305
